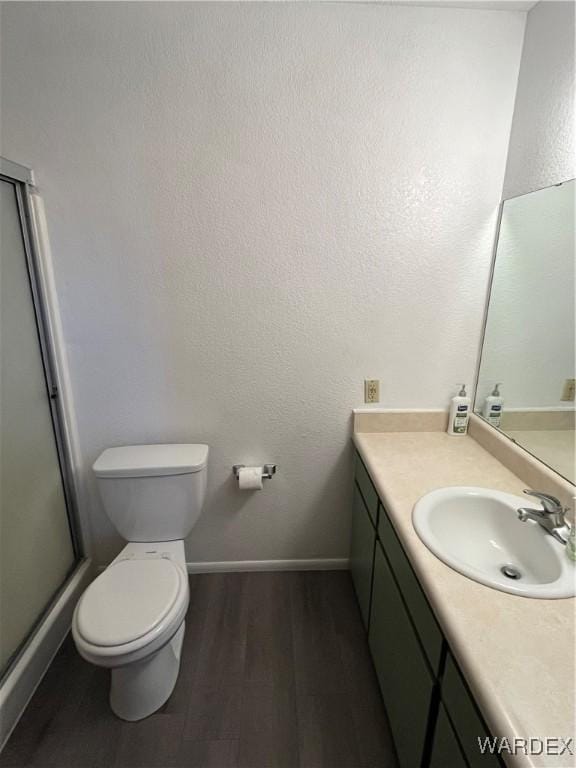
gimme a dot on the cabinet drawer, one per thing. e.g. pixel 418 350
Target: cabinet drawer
pixel 445 747
pixel 404 678
pixel 362 554
pixel 367 489
pixel 420 611
pixel 465 717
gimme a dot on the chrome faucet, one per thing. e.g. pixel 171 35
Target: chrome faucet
pixel 552 516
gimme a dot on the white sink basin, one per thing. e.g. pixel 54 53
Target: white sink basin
pixel 477 532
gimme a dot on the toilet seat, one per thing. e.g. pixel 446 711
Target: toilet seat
pixel 132 608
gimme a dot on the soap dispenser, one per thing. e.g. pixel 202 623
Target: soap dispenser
pixel 492 410
pixel 459 413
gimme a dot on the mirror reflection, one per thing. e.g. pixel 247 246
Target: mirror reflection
pixel 526 377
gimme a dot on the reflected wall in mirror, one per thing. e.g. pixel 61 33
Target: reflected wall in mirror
pixel 529 341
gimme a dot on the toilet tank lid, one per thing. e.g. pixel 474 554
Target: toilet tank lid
pixel 151 460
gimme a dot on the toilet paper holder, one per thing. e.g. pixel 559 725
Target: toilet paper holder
pixel 268 470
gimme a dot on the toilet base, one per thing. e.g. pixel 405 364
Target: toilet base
pixel 139 689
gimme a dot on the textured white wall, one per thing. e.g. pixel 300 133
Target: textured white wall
pixel 529 344
pixel 543 139
pixel 252 208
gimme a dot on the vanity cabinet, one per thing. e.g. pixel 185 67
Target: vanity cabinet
pixel 434 719
pixel 466 719
pixel 367 490
pixel 403 674
pixel 425 625
pixel 362 554
pixel 446 749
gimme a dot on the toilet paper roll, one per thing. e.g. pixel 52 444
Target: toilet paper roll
pixel 250 478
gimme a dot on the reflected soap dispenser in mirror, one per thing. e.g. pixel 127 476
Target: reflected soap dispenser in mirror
pixel 492 410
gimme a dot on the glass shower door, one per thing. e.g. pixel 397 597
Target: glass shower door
pixel 36 544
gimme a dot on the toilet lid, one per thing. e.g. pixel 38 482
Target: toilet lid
pixel 128 600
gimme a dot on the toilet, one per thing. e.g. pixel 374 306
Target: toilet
pixel 131 617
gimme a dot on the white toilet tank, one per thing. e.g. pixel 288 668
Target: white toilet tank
pixel 153 492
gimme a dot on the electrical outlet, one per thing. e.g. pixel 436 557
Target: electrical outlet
pixel 569 390
pixel 371 390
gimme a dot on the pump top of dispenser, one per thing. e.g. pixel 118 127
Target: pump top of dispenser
pixel 462 392
pixel 496 391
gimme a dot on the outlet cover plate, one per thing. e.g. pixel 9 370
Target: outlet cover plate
pixel 371 390
pixel 568 390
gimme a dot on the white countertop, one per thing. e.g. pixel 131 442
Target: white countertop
pixel 517 653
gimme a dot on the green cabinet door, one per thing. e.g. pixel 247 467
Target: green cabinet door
pixel 467 721
pixel 362 554
pixel 431 637
pixel 367 490
pixel 445 748
pixel 403 674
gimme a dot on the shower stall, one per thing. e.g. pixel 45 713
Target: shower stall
pixel 41 558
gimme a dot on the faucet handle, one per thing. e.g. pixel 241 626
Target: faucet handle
pixel 551 504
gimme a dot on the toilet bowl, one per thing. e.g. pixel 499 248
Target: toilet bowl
pixel 131 618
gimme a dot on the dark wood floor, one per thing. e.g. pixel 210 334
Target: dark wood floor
pixel 275 673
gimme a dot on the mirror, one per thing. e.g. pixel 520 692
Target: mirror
pixel 529 338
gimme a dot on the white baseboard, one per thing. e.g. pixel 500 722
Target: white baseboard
pixel 19 685
pixel 235 566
